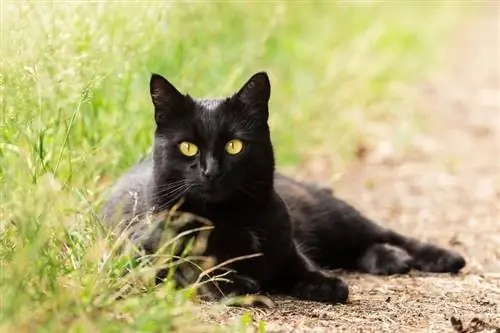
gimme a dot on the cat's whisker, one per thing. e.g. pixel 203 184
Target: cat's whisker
pixel 171 187
pixel 179 191
pixel 170 184
pixel 167 199
pixel 169 191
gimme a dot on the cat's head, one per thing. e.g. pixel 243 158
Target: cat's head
pixel 213 149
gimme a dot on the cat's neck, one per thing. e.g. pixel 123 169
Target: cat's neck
pixel 250 199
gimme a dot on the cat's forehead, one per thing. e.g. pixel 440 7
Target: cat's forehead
pixel 213 113
pixel 213 117
pixel 210 105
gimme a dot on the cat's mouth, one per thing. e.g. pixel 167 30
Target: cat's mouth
pixel 213 191
pixel 209 186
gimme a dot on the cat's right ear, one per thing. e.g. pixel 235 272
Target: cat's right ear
pixel 256 91
pixel 165 97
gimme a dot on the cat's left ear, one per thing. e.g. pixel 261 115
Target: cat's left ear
pixel 256 91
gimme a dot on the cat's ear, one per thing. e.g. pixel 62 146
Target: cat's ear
pixel 166 98
pixel 256 91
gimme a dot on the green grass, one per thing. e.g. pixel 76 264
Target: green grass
pixel 76 113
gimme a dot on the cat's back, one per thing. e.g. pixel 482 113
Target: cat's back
pixel 128 196
pixel 297 193
pixel 304 200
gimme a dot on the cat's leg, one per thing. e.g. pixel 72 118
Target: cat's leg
pixel 210 287
pixel 384 259
pixel 234 285
pixel 300 279
pixel 427 257
pixel 339 236
pixel 217 284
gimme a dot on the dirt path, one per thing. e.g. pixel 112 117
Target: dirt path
pixel 447 190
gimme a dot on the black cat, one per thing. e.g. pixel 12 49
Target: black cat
pixel 217 155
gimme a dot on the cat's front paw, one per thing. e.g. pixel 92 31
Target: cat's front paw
pixel 236 285
pixel 435 259
pixel 321 288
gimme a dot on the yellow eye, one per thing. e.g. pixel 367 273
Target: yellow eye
pixel 234 147
pixel 187 148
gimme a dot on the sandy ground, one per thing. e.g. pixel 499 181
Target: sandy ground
pixel 446 190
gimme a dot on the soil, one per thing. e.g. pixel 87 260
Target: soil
pixel 445 190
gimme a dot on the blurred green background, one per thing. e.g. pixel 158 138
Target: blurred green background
pixel 76 113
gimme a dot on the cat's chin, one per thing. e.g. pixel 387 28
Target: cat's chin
pixel 212 196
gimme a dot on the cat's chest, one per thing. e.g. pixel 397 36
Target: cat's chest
pixel 226 243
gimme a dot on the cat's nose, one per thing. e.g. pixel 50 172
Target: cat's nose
pixel 211 171
pixel 211 174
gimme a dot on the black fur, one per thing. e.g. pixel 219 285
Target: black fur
pixel 296 226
